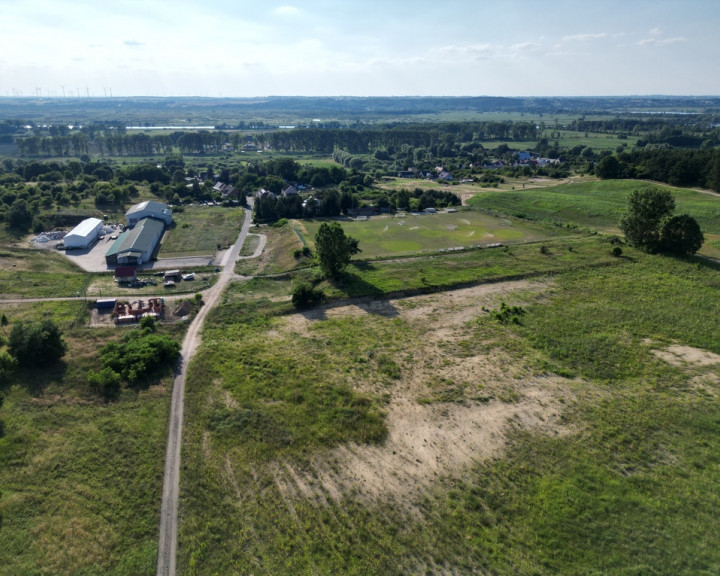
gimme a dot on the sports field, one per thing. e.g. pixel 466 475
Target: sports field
pixel 386 235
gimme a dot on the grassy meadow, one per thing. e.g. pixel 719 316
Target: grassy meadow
pixel 621 481
pixel 198 230
pixel 597 204
pixel 81 478
pixel 388 235
pixel 278 256
pixel 32 273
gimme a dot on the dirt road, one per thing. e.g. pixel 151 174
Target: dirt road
pixel 167 546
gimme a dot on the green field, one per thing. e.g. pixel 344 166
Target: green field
pixel 386 235
pixel 597 204
pixel 622 480
pixel 199 230
pixel 28 273
pixel 80 478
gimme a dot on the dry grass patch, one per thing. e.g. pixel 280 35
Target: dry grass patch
pixel 450 408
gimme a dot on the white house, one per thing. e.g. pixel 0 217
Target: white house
pixel 148 209
pixel 83 234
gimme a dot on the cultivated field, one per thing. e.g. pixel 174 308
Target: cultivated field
pixel 387 235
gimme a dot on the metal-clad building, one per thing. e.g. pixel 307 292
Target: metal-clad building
pixel 137 245
pixel 83 234
pixel 148 209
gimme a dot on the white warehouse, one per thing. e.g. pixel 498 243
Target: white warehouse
pixel 148 209
pixel 84 234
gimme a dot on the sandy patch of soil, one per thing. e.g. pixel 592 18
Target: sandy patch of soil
pixel 677 355
pixel 445 413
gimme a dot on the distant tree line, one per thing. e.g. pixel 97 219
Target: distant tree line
pixel 676 167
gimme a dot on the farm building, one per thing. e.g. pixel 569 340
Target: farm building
pixel 148 209
pixel 125 274
pixel 84 234
pixel 137 245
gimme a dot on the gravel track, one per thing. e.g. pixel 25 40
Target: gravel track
pixel 167 547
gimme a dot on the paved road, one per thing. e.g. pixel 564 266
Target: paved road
pixel 171 483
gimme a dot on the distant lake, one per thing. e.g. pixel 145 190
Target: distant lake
pixel 170 127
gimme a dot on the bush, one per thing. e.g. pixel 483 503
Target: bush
pixel 280 223
pixel 7 366
pixel 616 251
pixel 506 314
pixel 147 323
pixel 106 383
pixel 36 344
pixel 135 357
pixel 305 295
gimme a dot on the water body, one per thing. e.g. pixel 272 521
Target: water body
pixel 170 127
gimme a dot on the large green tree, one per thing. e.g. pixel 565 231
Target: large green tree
pixel 36 343
pixel 19 216
pixel 334 248
pixel 646 210
pixel 681 235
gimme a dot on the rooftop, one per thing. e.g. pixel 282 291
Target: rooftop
pixel 86 227
pixel 138 238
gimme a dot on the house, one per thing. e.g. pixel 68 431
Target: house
pixel 444 175
pixel 136 246
pixel 290 191
pixel 226 190
pixel 84 234
pixel 406 174
pixel 125 274
pixel 262 194
pixel 149 209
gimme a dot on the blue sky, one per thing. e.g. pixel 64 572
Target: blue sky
pixel 360 48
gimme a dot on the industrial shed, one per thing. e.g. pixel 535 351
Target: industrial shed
pixel 137 245
pixel 148 209
pixel 84 234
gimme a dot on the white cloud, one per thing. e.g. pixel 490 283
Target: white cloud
pixel 525 46
pixel 581 37
pixel 468 50
pixel 133 43
pixel 662 42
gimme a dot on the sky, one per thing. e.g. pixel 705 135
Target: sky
pixel 236 48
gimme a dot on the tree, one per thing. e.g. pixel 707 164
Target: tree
pixel 608 168
pixel 681 235
pixel 20 217
pixel 36 344
pixel 644 216
pixel 7 366
pixel 333 248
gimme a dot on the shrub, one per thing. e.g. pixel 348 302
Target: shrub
pixel 7 366
pixel 147 323
pixel 616 251
pixel 36 344
pixel 280 223
pixel 506 314
pixel 106 383
pixel 304 295
pixel 136 356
